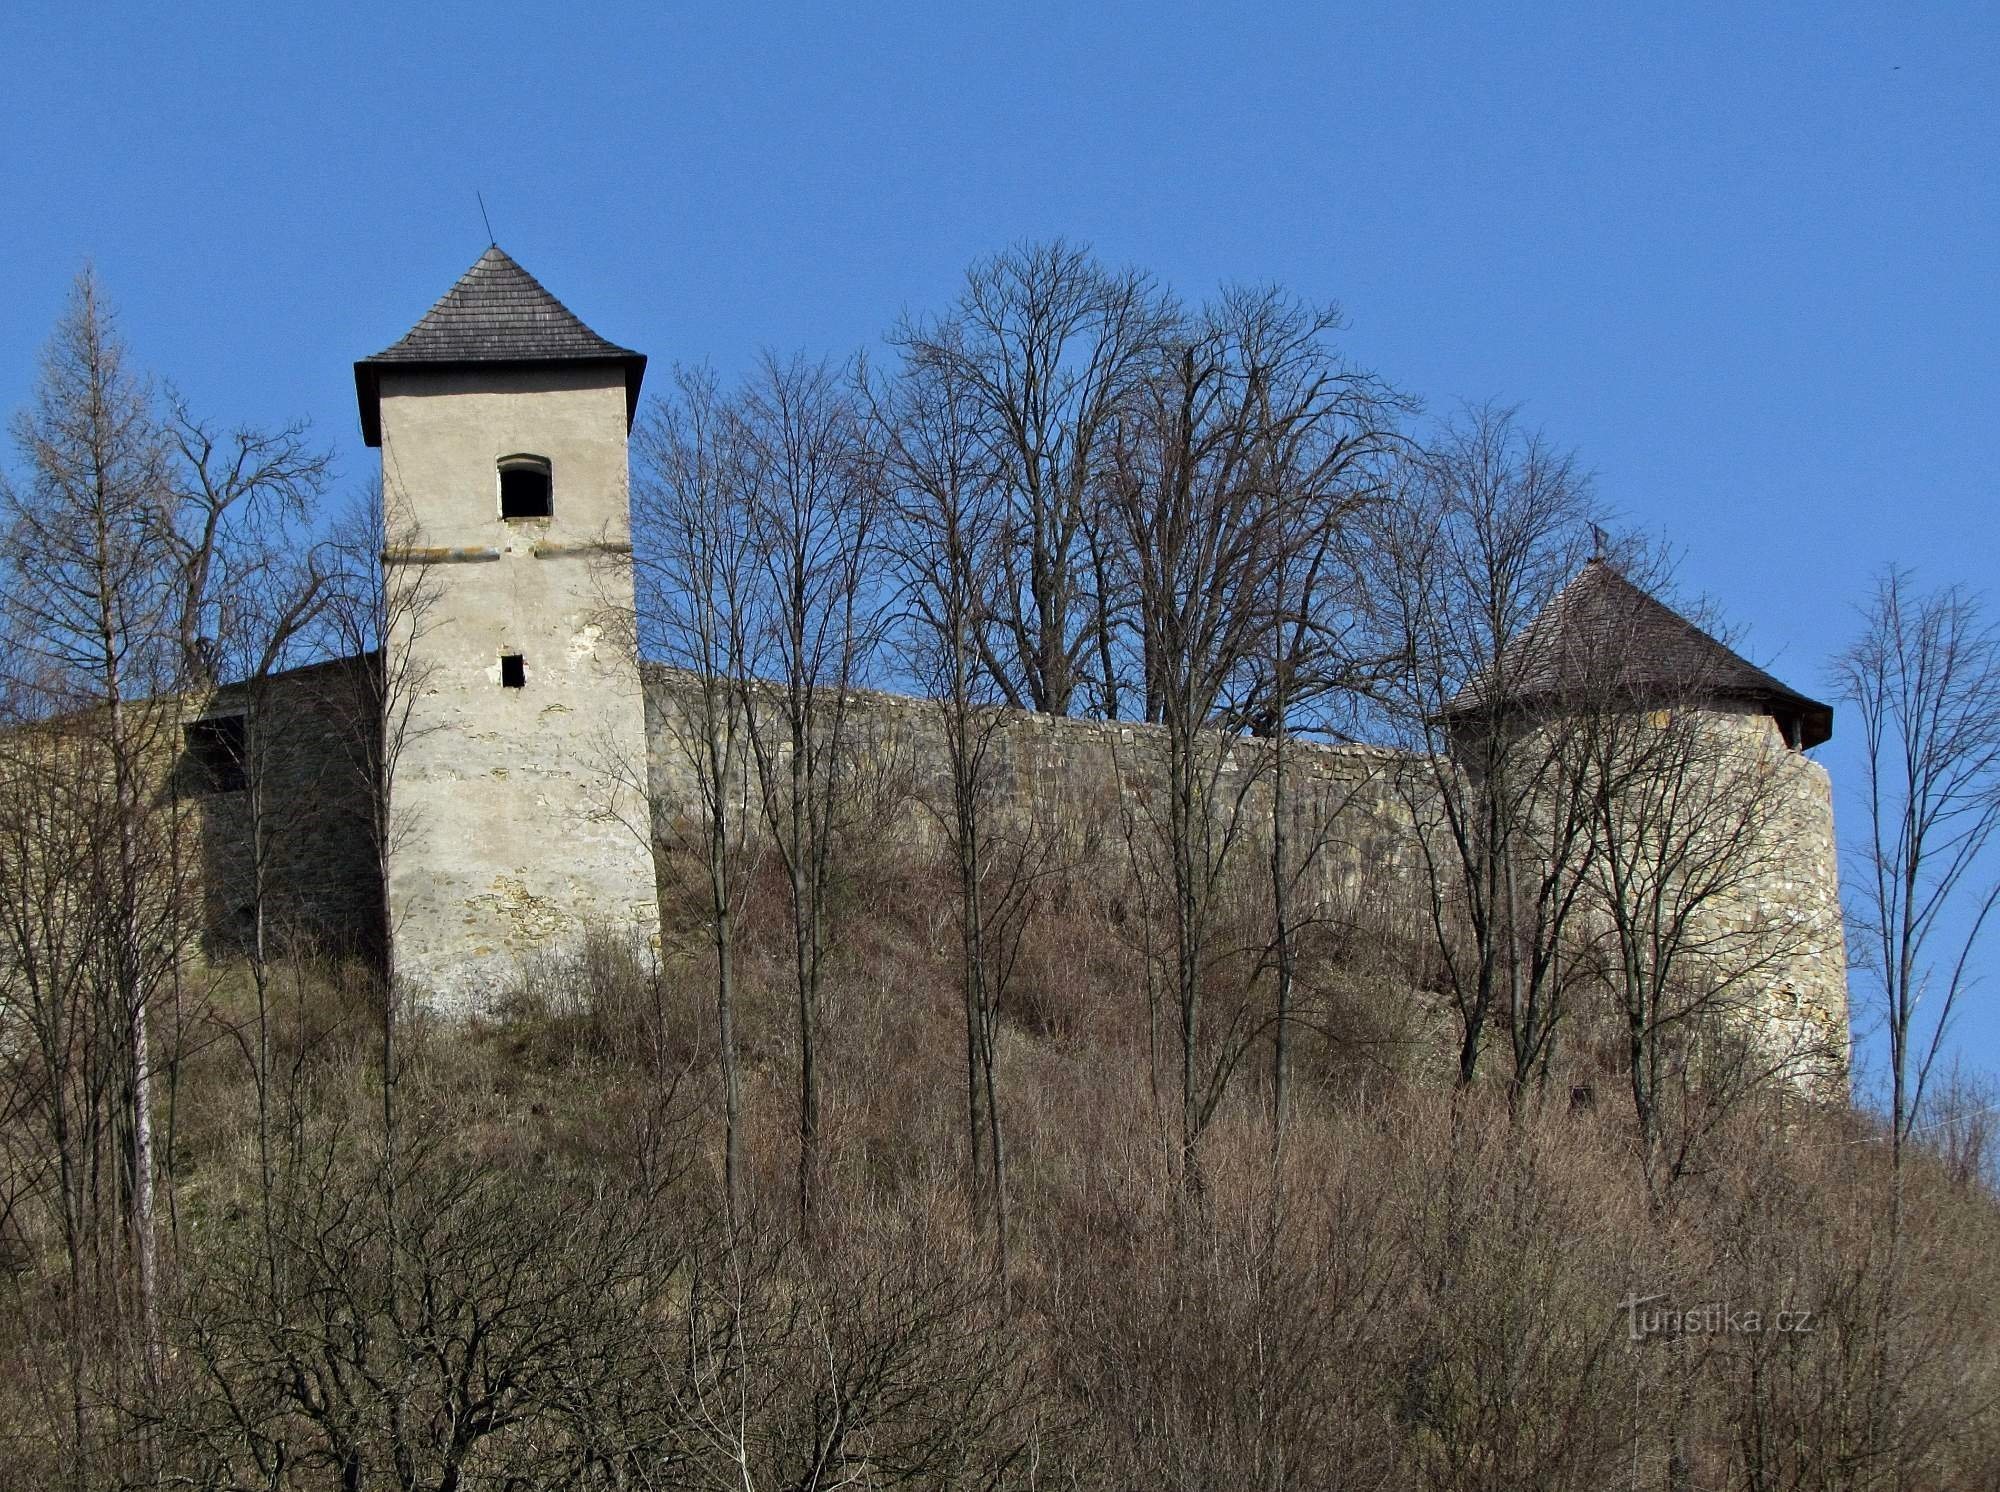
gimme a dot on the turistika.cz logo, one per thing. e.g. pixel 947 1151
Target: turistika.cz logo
pixel 1646 1317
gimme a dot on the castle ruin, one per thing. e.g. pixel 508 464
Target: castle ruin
pixel 536 783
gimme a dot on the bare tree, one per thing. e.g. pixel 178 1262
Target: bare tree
pixel 947 533
pixel 1233 472
pixel 256 771
pixel 1493 521
pixel 1924 677
pixel 811 502
pixel 60 1056
pixel 695 574
pixel 1322 595
pixel 246 580
pixel 1688 820
pixel 92 598
pixel 1046 344
pixel 380 602
pixel 146 557
pixel 501 1327
pixel 250 591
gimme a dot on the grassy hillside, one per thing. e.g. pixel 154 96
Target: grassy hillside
pixel 519 1272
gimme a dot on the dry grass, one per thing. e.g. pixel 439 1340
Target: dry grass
pixel 1422 1291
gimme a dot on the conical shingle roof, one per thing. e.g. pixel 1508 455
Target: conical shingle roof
pixel 1603 635
pixel 497 315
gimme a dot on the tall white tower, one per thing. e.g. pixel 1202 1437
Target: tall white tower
pixel 518 794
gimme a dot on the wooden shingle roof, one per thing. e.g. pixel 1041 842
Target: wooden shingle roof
pixel 1603 635
pixel 497 315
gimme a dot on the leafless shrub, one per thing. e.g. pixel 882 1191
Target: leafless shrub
pixel 1963 1130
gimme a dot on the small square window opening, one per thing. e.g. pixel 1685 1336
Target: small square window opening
pixel 513 671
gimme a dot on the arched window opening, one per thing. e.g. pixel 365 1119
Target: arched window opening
pixel 525 487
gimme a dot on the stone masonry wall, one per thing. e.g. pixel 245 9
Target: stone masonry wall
pixel 1093 789
pixel 322 888
pixel 1098 787
pixel 1093 793
pixel 1793 900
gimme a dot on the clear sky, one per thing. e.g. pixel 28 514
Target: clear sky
pixel 1743 257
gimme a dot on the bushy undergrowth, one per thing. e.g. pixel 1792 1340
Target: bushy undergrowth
pixel 521 1274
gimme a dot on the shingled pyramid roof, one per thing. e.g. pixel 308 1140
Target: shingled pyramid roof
pixel 497 315
pixel 1603 633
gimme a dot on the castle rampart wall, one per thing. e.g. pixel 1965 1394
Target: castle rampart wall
pixel 1089 787
pixel 1091 796
pixel 1092 789
pixel 1096 788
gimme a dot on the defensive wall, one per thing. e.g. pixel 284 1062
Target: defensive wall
pixel 1356 818
pixel 1786 900
pixel 1093 792
pixel 1089 795
pixel 289 824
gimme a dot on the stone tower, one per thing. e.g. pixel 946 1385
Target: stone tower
pixel 518 794
pixel 1732 823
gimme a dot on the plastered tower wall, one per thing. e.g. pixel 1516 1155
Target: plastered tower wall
pixel 517 821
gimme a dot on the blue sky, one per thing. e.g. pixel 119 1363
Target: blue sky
pixel 1742 257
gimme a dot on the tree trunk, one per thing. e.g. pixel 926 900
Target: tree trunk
pixel 1281 918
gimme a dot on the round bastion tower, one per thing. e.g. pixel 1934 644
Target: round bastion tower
pixel 1672 769
pixel 517 793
